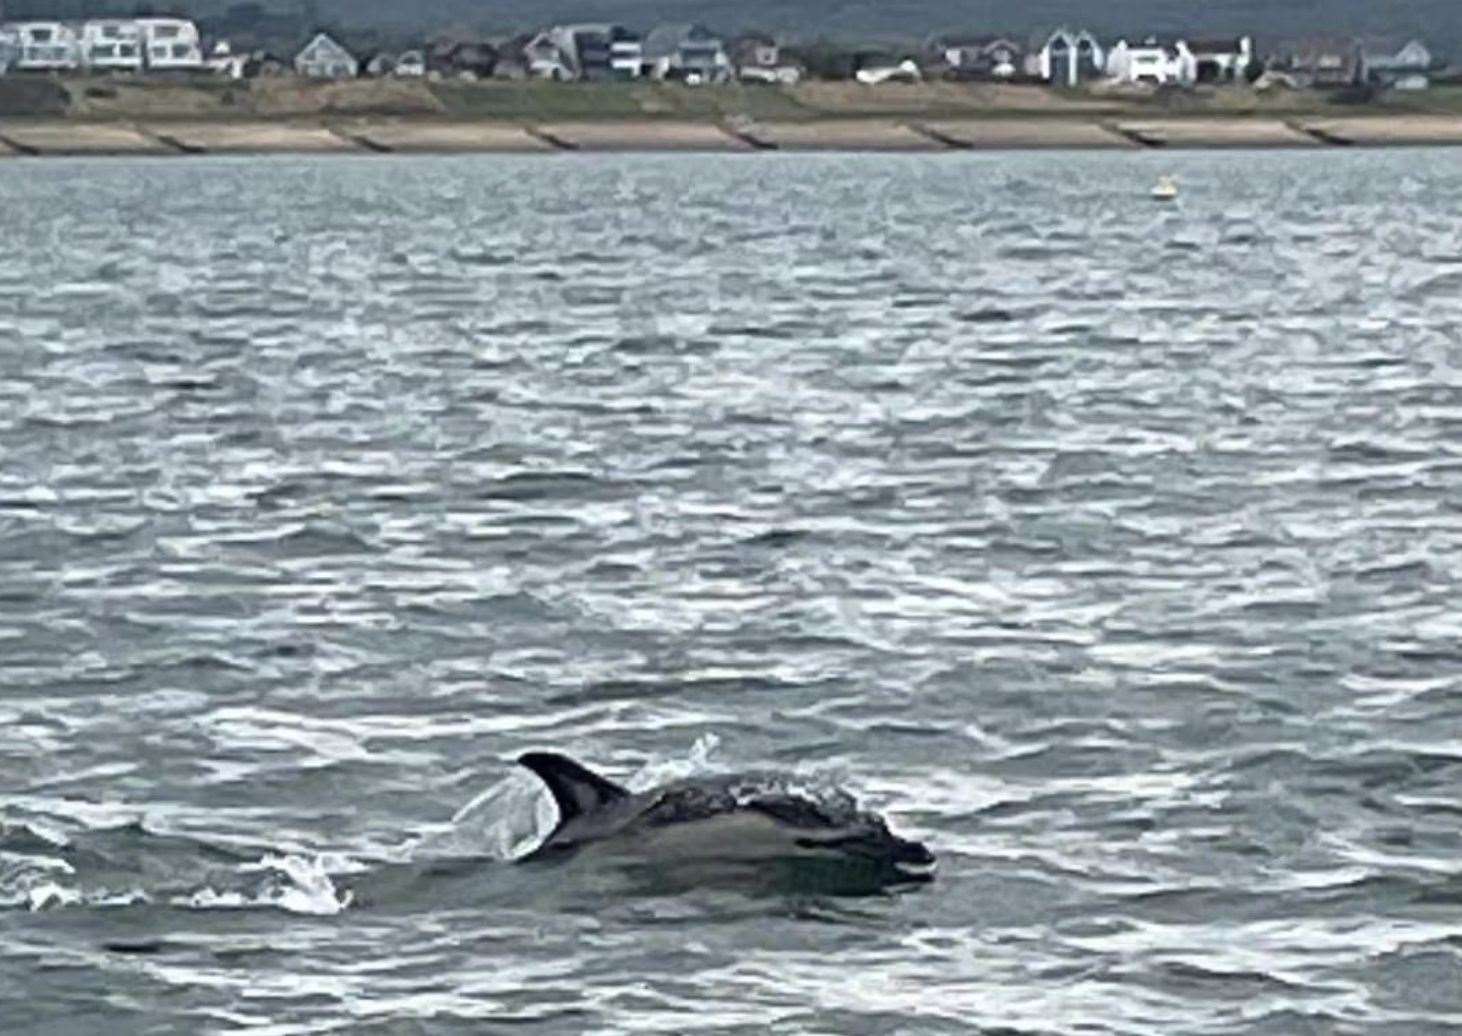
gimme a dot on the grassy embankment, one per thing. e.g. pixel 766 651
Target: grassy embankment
pixel 101 99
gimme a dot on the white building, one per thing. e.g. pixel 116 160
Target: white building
pixel 171 44
pixel 1153 62
pixel 45 47
pixel 224 62
pixel 1069 58
pixel 324 58
pixel 410 65
pixel 626 54
pixel 112 44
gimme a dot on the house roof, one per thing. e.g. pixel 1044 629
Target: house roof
pixel 1228 45
pixel 965 39
pixel 1388 46
pixel 665 40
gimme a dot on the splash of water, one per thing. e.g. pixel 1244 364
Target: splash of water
pixel 295 884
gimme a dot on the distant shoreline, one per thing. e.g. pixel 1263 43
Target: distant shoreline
pixel 67 137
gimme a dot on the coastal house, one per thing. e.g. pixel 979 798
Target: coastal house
pixel 1069 58
pixel 626 53
pixel 45 47
pixel 324 58
pixel 1222 60
pixel 112 45
pixel 224 62
pixel 454 57
pixel 757 58
pixel 688 52
pixel 410 64
pixel 1323 63
pixel 171 44
pixel 1153 61
pixel 1396 62
pixel 549 55
pixel 980 57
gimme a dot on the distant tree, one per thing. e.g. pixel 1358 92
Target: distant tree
pixel 1253 71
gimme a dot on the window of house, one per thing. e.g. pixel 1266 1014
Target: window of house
pixel 167 32
pixel 127 50
pixel 160 52
pixel 181 50
pixel 104 50
pixel 111 32
pixel 41 35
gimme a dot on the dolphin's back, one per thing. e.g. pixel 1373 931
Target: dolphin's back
pixel 777 797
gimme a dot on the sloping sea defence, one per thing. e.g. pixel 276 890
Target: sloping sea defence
pixel 67 137
pixel 95 115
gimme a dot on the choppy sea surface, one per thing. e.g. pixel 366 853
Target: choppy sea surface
pixel 1111 548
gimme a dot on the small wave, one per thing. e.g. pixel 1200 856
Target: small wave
pixel 295 884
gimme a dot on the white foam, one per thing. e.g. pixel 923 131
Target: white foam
pixel 307 888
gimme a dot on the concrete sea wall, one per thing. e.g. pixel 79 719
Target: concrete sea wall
pixel 65 137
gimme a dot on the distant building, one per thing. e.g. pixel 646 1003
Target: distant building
pixel 689 52
pixel 1324 63
pixel 325 58
pixel 585 52
pixel 457 58
pixel 1069 58
pixel 224 62
pixel 112 44
pixel 980 57
pixel 410 65
pixel 1222 60
pixel 758 59
pixel 1404 64
pixel 171 44
pixel 45 47
pixel 1153 61
pixel 550 55
pixel 626 53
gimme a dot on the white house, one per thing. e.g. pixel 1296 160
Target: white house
pixel 1069 58
pixel 45 47
pixel 112 44
pixel 689 52
pixel 626 54
pixel 1222 60
pixel 410 65
pixel 323 58
pixel 224 62
pixel 1153 62
pixel 758 59
pixel 1398 63
pixel 171 44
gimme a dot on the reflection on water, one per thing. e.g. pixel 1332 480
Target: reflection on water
pixel 1109 548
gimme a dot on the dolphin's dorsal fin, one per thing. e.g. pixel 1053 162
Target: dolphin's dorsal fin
pixel 575 789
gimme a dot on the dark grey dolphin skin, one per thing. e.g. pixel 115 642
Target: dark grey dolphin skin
pixel 745 819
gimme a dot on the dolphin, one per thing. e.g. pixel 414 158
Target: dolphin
pixel 744 822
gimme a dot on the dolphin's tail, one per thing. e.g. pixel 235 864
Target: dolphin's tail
pixel 575 789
